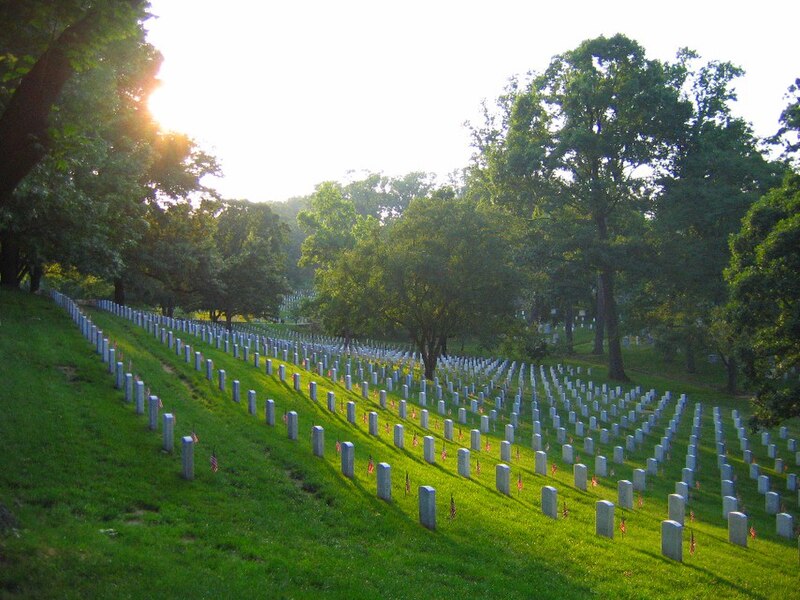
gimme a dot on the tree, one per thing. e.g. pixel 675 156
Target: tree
pixel 250 279
pixel 718 173
pixel 588 135
pixel 442 269
pixel 764 306
pixel 24 122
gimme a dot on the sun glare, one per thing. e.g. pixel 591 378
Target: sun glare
pixel 167 109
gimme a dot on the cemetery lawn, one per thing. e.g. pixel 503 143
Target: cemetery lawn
pixel 92 507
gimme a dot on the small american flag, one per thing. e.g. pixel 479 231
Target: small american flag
pixel 364 418
pixel 553 469
pixel 214 463
pixel 195 439
pixel 160 403
pixel 488 445
pixel 565 511
pixel 595 483
pixel 413 413
pixel 414 441
pixel 519 482
pixel 570 440
pixel 392 404
pixel 408 484
pixel 338 447
pixel 692 543
pixel 460 434
pixel 370 466
pixel 478 466
pixel 697 485
pixel 452 508
pixel 639 501
pixel 622 527
pixel 444 453
pixel 752 532
pixel 285 417
pixel 691 516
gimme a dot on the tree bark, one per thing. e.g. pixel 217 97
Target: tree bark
pixel 691 362
pixel 732 370
pixel 616 369
pixel 599 318
pixel 9 260
pixel 37 271
pixel 119 291
pixel 568 329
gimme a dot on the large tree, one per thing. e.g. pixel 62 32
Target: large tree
pixel 585 138
pixel 38 64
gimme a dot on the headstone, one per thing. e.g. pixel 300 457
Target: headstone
pixel 600 466
pixel 728 488
pixel 427 507
pixel 772 503
pixel 429 449
pixel 737 528
pixel 687 475
pixel 676 508
pixel 567 454
pixel 373 423
pixel 619 455
pixel 399 436
pixel 348 459
pixel 541 462
pixel 625 494
pixel 579 476
pixel 168 432
pixel 682 488
pixel 503 479
pixel 448 429
pixel 187 457
pixel 318 440
pixel 672 540
pixel 423 418
pixel 784 525
pixel 550 501
pixel 763 484
pixel 505 451
pixel 152 405
pixel 729 504
pixel 639 480
pixel 384 481
pixel 604 518
pixel 292 425
pixel 221 374
pixel 464 462
pixel 475 440
pixel 351 412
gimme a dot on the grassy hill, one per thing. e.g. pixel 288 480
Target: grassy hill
pixel 91 507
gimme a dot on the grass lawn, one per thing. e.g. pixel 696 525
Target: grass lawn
pixel 92 507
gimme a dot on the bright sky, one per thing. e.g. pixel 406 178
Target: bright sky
pixel 289 94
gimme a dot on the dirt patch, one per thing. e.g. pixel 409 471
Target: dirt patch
pixel 70 372
pixel 167 368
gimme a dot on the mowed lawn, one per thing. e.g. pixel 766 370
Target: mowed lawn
pixel 92 507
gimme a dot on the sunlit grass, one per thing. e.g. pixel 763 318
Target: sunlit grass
pixel 99 510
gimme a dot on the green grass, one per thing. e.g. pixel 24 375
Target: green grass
pixel 93 508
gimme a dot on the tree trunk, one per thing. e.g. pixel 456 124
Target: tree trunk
pixel 9 260
pixel 691 363
pixel 568 329
pixel 732 370
pixel 616 369
pixel 37 271
pixel 599 318
pixel 119 291
pixel 443 345
pixel 228 320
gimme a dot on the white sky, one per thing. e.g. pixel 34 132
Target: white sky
pixel 289 94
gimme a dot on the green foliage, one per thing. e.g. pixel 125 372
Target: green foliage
pixel 763 309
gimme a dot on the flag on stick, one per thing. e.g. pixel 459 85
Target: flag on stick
pixel 408 484
pixel 565 512
pixel 452 508
pixel 752 532
pixel 370 466
pixel 478 466
pixel 519 482
pixel 195 439
pixel 214 463
pixel 338 447
pixel 692 543
pixel 622 527
pixel 444 452
pixel 160 403
pixel 691 516
pixel 414 440
pixel 639 501
pixel 595 483
pixel 553 469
